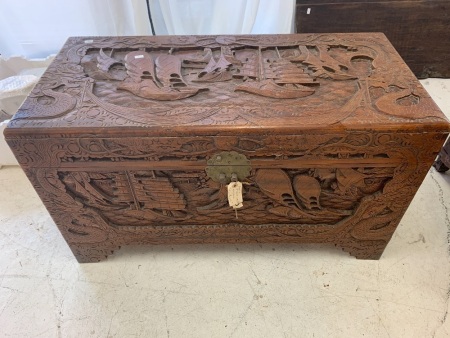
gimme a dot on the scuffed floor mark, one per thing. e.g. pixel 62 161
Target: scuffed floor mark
pixel 112 318
pixel 257 279
pixel 420 239
pixel 57 309
pixel 444 318
pixel 246 311
pixel 447 224
pixel 443 205
pixel 377 313
pixel 166 318
pixel 8 303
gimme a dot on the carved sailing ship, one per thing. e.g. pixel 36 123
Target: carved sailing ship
pixel 217 71
pixel 151 193
pixel 130 194
pixel 103 67
pixel 274 77
pixel 105 63
pixel 165 83
pixel 199 60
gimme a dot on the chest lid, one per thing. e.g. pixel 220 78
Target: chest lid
pixel 226 85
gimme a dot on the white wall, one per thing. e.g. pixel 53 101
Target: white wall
pixel 36 29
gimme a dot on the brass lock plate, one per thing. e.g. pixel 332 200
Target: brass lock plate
pixel 228 166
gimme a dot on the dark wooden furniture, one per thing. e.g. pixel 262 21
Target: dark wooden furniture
pixel 442 163
pixel 144 139
pixel 418 29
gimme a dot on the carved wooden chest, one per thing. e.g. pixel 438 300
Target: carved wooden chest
pixel 311 138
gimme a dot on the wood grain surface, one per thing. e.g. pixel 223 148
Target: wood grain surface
pixel 416 28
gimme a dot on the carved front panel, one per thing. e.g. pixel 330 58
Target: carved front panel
pixel 154 197
pixel 349 189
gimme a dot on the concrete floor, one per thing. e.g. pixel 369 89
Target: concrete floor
pixel 226 291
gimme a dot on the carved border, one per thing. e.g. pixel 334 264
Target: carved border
pixel 73 152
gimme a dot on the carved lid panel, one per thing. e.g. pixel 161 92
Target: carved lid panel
pixel 185 85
